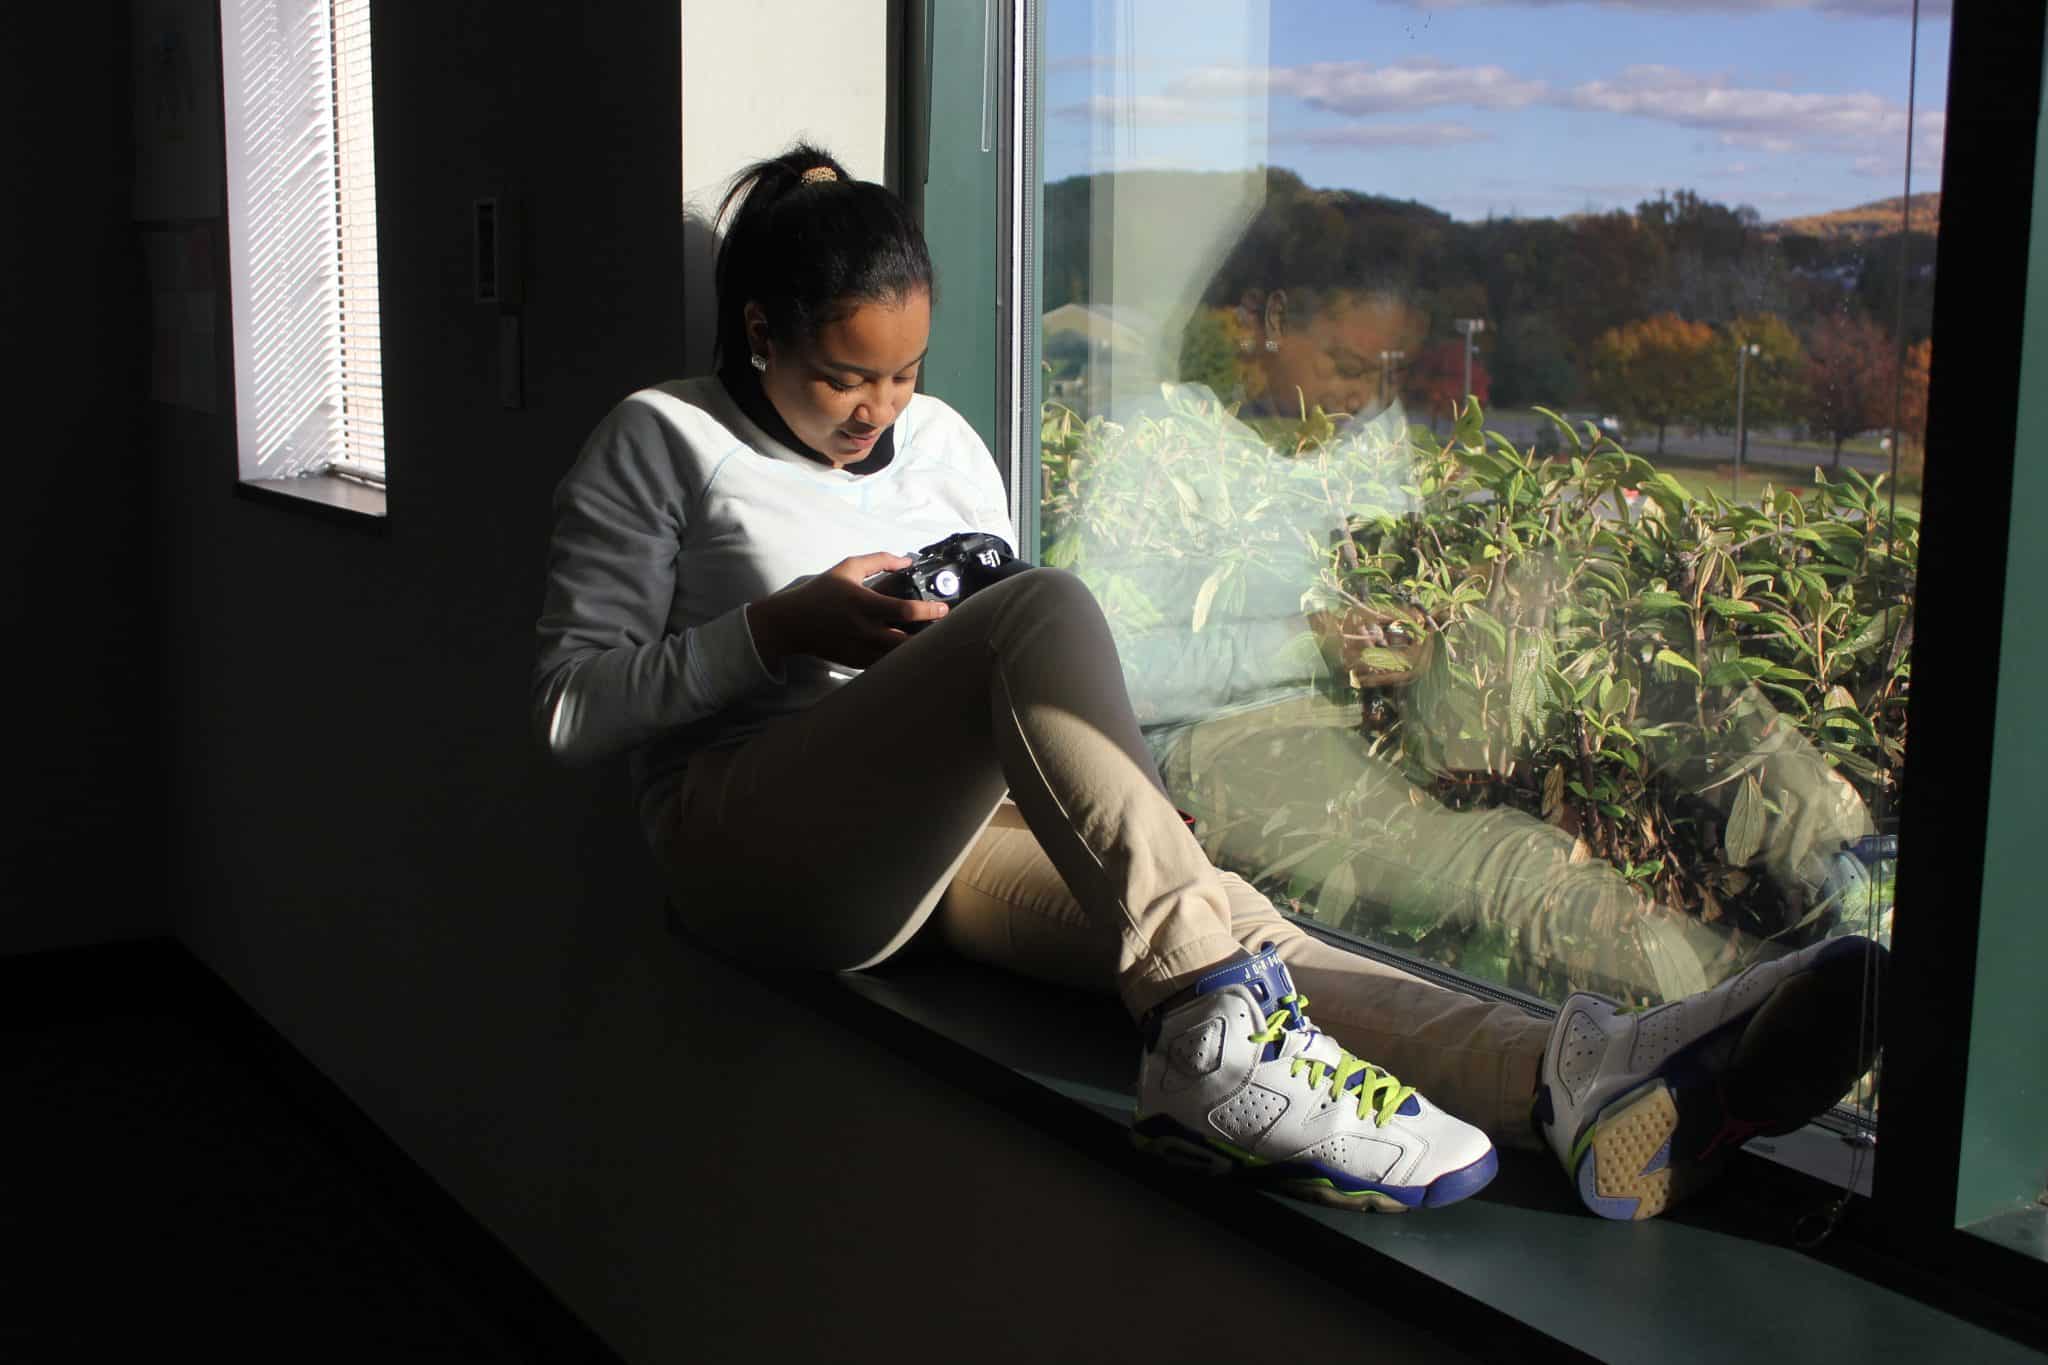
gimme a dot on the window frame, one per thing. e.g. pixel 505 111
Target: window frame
pixel 1905 1232
pixel 1989 165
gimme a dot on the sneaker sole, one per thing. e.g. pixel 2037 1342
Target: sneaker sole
pixel 1198 1158
pixel 1626 1171
pixel 1657 1144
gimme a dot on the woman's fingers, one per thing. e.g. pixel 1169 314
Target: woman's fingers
pixel 918 611
pixel 857 567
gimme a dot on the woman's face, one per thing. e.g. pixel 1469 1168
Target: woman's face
pixel 841 390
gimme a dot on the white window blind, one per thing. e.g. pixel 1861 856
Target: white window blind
pixel 302 233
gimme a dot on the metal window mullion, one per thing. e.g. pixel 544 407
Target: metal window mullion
pixel 1017 271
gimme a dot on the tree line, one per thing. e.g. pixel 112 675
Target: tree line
pixel 1343 299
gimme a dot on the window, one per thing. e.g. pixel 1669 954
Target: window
pixel 302 222
pixel 1495 433
pixel 1189 238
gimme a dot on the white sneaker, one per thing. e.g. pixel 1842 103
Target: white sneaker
pixel 1235 1079
pixel 1643 1108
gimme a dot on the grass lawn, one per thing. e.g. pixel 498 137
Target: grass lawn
pixel 1700 476
pixel 1862 445
pixel 1701 479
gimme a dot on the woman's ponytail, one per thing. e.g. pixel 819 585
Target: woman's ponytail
pixel 808 243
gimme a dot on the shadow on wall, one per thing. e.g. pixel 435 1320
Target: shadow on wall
pixel 700 292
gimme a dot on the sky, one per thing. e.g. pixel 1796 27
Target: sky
pixel 1521 108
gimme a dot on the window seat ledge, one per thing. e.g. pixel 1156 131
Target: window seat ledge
pixel 1520 1266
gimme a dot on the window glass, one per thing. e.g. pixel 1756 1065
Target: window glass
pixel 1493 431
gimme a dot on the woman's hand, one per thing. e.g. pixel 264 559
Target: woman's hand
pixel 835 617
pixel 1386 647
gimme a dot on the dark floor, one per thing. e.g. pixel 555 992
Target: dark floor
pixel 174 1180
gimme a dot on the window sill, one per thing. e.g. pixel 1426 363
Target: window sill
pixel 1520 1267
pixel 322 495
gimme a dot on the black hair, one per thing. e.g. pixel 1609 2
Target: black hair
pixel 810 251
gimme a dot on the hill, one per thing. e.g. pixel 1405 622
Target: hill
pixel 1865 220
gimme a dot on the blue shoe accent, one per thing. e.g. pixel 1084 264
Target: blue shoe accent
pixel 1448 1188
pixel 1264 975
pixel 1452 1186
pixel 1589 1193
pixel 1282 1172
pixel 1659 1161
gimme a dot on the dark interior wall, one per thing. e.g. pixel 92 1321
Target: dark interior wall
pixel 76 864
pixel 365 843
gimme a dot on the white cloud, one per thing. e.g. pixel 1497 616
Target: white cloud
pixel 1385 135
pixel 1751 117
pixel 1864 9
pixel 1670 95
pixel 1762 142
pixel 1360 88
pixel 1150 111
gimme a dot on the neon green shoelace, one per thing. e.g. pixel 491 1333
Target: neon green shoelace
pixel 1377 1087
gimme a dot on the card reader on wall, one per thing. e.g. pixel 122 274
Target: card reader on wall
pixel 499 278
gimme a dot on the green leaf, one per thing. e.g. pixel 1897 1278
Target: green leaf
pixel 1494 630
pixel 1065 552
pixel 1384 660
pixel 1338 893
pixel 1796 698
pixel 1744 837
pixel 1674 659
pixel 1206 597
pixel 1282 864
pixel 1879 628
pixel 1736 672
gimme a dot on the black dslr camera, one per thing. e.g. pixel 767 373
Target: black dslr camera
pixel 949 571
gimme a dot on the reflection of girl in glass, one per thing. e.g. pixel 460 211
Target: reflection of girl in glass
pixel 822 769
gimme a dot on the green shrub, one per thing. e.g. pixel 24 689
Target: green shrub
pixel 1596 658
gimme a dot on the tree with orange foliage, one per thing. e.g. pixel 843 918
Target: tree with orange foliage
pixel 1913 393
pixel 1657 371
pixel 1850 369
pixel 1912 461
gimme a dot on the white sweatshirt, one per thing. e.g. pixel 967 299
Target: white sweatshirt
pixel 677 513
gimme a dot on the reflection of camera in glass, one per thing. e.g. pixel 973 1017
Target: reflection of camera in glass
pixel 949 571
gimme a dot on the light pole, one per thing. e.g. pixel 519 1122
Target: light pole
pixel 1468 327
pixel 1743 351
pixel 1388 359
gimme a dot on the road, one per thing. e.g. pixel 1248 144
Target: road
pixel 1765 447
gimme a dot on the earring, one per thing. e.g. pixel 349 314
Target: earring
pixel 759 362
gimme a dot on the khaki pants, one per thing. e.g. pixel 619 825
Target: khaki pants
pixel 828 840
pixel 1560 917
